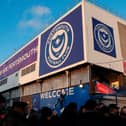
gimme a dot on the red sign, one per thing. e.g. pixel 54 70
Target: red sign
pixel 103 89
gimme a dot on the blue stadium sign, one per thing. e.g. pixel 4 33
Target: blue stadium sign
pixel 59 44
pixel 51 98
pixel 103 38
pixel 62 44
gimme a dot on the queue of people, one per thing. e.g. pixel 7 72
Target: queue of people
pixel 90 113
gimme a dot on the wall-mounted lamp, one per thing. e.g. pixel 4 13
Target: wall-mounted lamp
pixel 81 86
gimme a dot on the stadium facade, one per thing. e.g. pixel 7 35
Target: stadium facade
pixel 84 47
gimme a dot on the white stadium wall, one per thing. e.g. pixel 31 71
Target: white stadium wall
pixel 12 81
pixel 102 38
pixel 122 34
pixel 86 34
pixel 30 72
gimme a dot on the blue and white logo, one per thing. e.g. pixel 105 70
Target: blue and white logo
pixel 103 38
pixel 59 44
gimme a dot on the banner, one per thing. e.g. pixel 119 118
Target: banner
pixel 62 44
pixel 103 89
pixel 23 58
pixel 103 38
pixel 60 98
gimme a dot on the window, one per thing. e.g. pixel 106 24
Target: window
pixel 28 70
pixel 4 81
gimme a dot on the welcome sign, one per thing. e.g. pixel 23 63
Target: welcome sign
pixel 51 98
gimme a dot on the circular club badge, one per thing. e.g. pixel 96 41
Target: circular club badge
pixel 104 38
pixel 59 44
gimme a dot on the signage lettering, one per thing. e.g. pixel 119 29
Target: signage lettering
pixel 56 93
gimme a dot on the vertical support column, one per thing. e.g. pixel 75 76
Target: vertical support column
pixel 68 78
pixel 121 81
pixel 91 84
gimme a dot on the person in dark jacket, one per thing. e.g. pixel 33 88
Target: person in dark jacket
pixel 2 109
pixel 17 116
pixel 70 115
pixel 90 116
pixel 33 118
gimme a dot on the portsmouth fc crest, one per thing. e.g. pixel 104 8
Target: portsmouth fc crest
pixel 103 38
pixel 59 44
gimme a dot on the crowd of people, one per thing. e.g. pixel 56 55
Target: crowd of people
pixel 91 113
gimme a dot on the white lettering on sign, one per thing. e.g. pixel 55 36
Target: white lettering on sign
pixel 56 93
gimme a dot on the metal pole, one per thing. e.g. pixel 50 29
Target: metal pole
pixel 116 98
